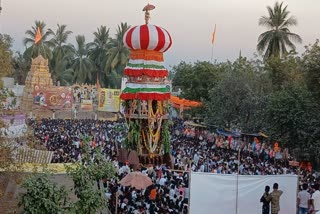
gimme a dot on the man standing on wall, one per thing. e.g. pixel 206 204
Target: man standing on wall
pixel 316 199
pixel 275 199
pixel 303 200
pixel 265 199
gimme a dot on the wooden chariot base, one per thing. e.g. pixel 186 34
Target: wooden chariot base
pixel 156 160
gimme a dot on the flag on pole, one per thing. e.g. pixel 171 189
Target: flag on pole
pixel 214 34
pixel 38 36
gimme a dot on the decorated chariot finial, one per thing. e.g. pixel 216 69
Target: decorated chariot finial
pixel 147 14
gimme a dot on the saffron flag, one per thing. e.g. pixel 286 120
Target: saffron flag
pixel 214 34
pixel 38 36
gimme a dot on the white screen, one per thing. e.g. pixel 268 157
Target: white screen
pixel 215 193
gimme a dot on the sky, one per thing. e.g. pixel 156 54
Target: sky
pixel 189 22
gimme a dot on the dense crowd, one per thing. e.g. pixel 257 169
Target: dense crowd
pixel 64 137
pixel 204 152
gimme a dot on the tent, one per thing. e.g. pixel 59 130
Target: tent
pixel 227 133
pixel 183 103
pixel 190 123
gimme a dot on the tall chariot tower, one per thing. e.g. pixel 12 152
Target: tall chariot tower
pixel 145 98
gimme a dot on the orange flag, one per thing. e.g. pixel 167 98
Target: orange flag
pixel 214 34
pixel 38 36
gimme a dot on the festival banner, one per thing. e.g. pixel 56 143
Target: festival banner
pixel 53 97
pixel 14 120
pixel 86 105
pixel 109 100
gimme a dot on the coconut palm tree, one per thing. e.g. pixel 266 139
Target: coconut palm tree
pixel 118 56
pixel 59 62
pixel 278 39
pixel 98 50
pixel 81 64
pixel 42 47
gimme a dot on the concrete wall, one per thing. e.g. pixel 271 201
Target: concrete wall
pixel 8 82
pixel 10 190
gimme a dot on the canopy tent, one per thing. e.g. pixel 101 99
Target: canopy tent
pixel 259 134
pixel 183 103
pixel 190 123
pixel 227 133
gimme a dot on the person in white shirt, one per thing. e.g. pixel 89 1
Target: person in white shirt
pixel 134 195
pixel 303 200
pixel 316 199
pixel 163 181
pixel 196 158
pixel 172 192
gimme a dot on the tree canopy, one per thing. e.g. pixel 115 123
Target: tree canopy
pixel 5 56
pixel 279 96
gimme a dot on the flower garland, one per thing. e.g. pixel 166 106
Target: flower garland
pixel 148 147
pixel 153 137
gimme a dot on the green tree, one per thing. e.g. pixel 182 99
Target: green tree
pixel 20 68
pixel 98 50
pixel 117 57
pixel 238 97
pixel 43 47
pixel 292 117
pixel 195 80
pixel 278 38
pixel 59 60
pixel 42 195
pixel 81 64
pixel 311 68
pixel 5 56
pixel 285 71
pixel 86 175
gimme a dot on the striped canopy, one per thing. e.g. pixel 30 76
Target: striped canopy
pixel 147 37
pixel 147 44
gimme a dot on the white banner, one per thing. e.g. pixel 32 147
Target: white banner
pixel 216 193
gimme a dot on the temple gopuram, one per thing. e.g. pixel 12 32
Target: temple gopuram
pixel 38 77
pixel 146 96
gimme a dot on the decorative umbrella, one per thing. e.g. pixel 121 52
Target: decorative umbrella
pixel 148 7
pixel 137 180
pixel 123 155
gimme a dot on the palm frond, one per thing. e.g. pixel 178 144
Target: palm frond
pixel 263 41
pixel 265 21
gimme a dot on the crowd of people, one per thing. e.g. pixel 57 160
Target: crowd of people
pixel 170 190
pixel 64 137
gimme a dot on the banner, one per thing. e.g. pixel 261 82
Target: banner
pixel 86 105
pixel 231 195
pixel 14 120
pixel 109 100
pixel 53 98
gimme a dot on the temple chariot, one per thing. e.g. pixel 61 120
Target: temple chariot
pixel 147 93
